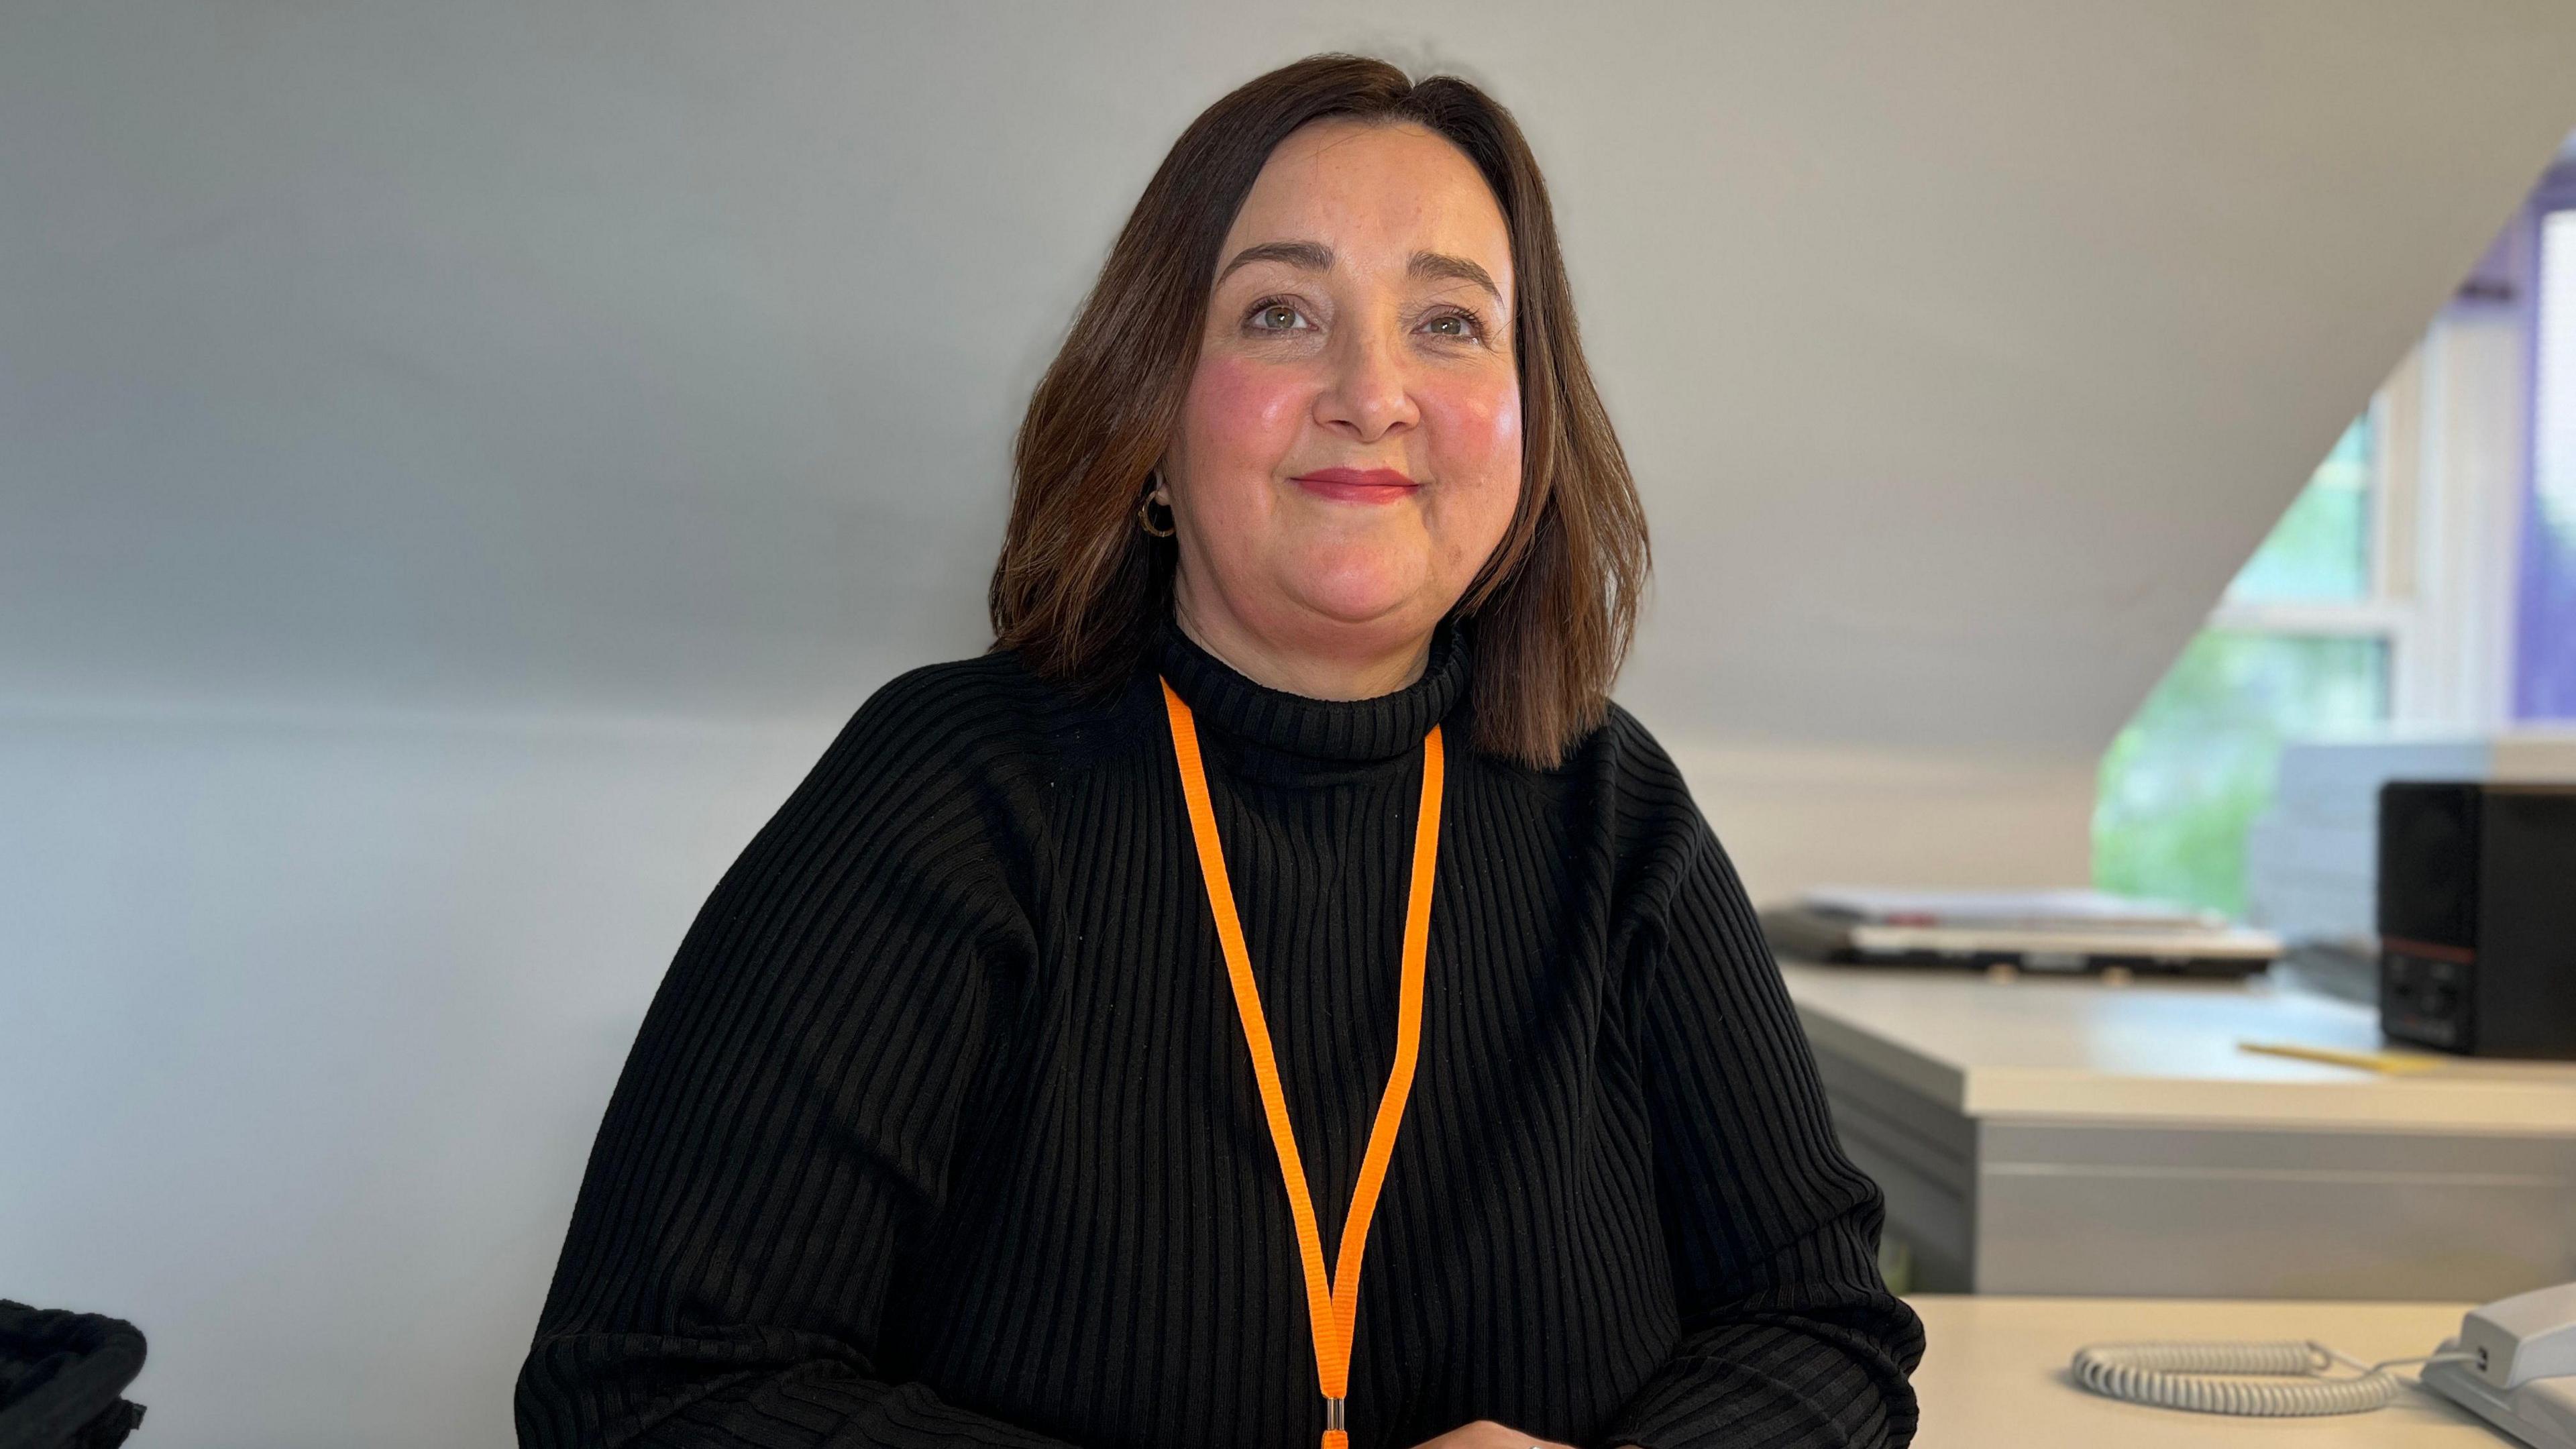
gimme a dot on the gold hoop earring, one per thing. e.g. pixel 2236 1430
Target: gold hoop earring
pixel 1144 508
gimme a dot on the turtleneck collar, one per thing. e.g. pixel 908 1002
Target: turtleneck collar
pixel 1352 731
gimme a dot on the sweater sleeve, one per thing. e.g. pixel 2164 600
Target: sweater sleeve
pixel 783 1128
pixel 1789 1335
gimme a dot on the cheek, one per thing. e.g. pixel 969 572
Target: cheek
pixel 1240 420
pixel 1476 440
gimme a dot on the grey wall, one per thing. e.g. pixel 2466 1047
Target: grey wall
pixel 663 356
pixel 458 463
pixel 309 1021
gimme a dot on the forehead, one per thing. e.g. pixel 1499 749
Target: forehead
pixel 1375 193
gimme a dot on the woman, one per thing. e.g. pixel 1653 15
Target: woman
pixel 1284 866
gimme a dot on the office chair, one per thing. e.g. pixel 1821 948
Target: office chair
pixel 60 1374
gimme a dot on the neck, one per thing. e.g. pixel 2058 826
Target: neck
pixel 1357 665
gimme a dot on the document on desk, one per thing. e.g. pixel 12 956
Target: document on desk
pixel 2032 910
pixel 2060 931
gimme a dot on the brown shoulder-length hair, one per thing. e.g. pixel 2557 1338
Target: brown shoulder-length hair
pixel 1080 586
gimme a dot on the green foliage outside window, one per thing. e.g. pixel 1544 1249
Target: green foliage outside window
pixel 2193 769
pixel 2320 550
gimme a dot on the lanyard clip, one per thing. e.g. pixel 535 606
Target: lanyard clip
pixel 1334 1413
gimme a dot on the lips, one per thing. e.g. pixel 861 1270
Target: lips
pixel 1358 485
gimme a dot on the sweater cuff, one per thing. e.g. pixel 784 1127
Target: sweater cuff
pixel 1769 1385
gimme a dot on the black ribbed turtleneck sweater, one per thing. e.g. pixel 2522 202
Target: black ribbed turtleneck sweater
pixel 941 1129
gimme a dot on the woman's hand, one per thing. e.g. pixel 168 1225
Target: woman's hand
pixel 1486 1434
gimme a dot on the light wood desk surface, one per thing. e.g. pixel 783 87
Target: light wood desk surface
pixel 1995 1373
pixel 2070 1050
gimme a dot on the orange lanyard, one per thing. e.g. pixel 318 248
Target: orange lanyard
pixel 1332 1307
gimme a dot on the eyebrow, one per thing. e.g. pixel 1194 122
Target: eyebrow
pixel 1309 256
pixel 1305 256
pixel 1442 266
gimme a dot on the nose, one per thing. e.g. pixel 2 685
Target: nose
pixel 1370 391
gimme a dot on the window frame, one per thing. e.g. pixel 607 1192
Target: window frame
pixel 2554 195
pixel 2450 465
pixel 2388 611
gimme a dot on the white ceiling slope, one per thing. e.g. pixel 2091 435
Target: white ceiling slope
pixel 663 357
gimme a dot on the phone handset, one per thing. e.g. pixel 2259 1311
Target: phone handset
pixel 2528 1336
pixel 2514 1365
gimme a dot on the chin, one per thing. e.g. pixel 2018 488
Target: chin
pixel 1388 611
pixel 1360 589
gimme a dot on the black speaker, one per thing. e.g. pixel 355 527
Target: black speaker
pixel 2477 917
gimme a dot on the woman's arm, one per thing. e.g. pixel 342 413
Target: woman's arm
pixel 1789 1335
pixel 783 1127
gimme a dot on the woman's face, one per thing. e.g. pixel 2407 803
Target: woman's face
pixel 1349 452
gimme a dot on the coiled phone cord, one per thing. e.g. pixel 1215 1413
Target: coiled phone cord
pixel 2214 1378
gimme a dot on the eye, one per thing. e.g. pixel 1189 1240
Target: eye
pixel 1273 315
pixel 1461 325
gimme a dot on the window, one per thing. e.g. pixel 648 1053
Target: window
pixel 2544 685
pixel 2321 548
pixel 2389 591
pixel 2301 644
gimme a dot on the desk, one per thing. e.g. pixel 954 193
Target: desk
pixel 2048 1135
pixel 1995 1373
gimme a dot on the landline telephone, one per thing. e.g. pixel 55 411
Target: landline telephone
pixel 2513 1364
